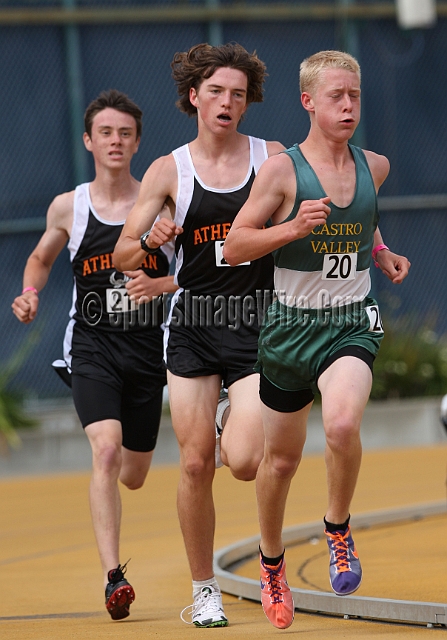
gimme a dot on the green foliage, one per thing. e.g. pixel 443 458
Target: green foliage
pixel 411 362
pixel 12 415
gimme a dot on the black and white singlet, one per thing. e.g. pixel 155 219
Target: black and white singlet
pixel 206 215
pixel 100 299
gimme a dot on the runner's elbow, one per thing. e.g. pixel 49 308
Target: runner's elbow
pixel 230 254
pixel 121 260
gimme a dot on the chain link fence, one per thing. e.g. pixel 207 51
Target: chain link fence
pixel 51 69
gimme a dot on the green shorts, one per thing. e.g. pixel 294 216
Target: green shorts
pixel 295 343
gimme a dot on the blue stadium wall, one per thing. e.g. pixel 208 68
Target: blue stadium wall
pixel 404 96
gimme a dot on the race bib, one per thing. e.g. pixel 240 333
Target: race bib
pixel 339 266
pixel 220 260
pixel 118 301
pixel 375 321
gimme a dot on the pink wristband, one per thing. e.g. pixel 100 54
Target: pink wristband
pixel 376 250
pixel 33 289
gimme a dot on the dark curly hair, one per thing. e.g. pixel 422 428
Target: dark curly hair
pixel 191 68
pixel 112 99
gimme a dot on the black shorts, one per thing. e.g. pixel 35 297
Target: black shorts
pixel 192 350
pixel 120 376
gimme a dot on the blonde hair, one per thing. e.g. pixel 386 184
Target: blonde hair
pixel 311 68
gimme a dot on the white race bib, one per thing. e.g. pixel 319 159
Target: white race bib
pixel 339 266
pixel 220 260
pixel 375 321
pixel 118 301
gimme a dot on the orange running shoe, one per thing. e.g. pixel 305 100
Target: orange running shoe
pixel 276 597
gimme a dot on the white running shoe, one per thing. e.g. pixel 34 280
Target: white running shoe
pixel 221 408
pixel 206 610
pixel 444 411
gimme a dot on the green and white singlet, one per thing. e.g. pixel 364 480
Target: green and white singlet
pixel 330 266
pixel 322 284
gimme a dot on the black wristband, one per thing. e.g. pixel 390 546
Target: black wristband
pixel 144 246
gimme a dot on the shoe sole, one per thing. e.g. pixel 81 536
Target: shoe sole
pixel 283 626
pixel 219 623
pixel 345 593
pixel 119 602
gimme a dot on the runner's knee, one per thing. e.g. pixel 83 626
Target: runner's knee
pixel 283 466
pixel 197 466
pixel 341 432
pixel 132 481
pixel 246 471
pixel 107 458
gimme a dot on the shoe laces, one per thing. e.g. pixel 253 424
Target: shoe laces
pixel 340 548
pixel 207 600
pixel 273 580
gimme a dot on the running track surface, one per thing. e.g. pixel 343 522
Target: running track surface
pixel 51 579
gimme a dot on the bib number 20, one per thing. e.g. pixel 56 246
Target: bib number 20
pixel 339 266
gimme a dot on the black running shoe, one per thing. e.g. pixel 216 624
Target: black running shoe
pixel 119 593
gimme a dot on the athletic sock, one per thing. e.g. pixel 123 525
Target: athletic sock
pixel 271 562
pixel 197 585
pixel 332 528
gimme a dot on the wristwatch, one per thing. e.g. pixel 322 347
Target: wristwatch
pixel 144 245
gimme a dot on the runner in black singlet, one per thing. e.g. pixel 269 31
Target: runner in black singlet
pixel 113 348
pixel 213 327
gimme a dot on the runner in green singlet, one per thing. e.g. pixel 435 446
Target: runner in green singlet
pixel 315 207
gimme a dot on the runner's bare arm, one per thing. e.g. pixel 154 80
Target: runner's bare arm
pixel 272 196
pixel 394 266
pixel 41 260
pixel 142 287
pixel 379 167
pixel 159 185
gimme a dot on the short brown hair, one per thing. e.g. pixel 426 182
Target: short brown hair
pixel 311 67
pixel 113 99
pixel 191 68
